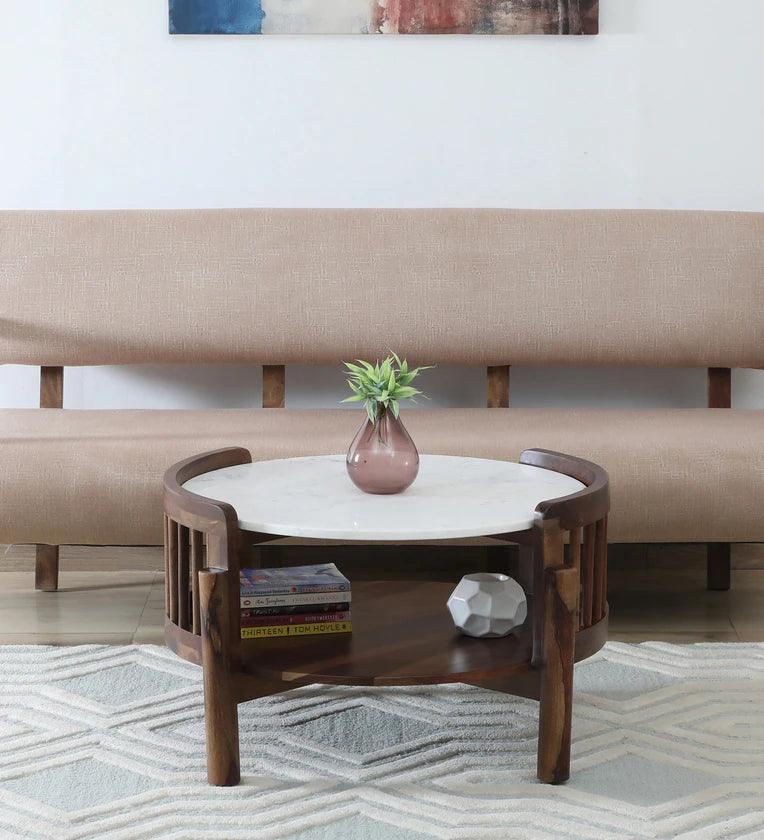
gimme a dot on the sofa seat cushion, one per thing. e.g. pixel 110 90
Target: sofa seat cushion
pixel 95 477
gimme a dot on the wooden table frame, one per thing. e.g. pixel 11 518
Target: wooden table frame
pixel 203 546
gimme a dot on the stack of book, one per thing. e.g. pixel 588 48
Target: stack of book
pixel 296 601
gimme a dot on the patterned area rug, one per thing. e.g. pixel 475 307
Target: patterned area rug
pixel 107 743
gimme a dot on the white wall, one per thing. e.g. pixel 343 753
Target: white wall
pixel 102 108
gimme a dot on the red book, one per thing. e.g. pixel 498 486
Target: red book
pixel 305 618
pixel 299 609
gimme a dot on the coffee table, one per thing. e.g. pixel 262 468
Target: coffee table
pixel 554 506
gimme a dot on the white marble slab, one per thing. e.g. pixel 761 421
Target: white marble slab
pixel 452 497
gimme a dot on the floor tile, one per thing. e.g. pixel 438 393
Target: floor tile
pixel 746 602
pixel 86 602
pixel 149 635
pixel 65 638
pixel 675 637
pixel 91 581
pixel 641 611
pixel 152 615
pixel 749 632
pixel 150 630
pixel 748 556
pixel 156 595
pixel 670 621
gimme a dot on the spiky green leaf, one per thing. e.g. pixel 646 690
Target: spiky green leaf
pixel 381 385
pixel 405 392
pixel 354 368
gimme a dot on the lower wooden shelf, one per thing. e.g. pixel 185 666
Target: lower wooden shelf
pixel 402 635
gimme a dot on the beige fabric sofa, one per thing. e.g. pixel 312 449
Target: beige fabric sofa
pixel 479 287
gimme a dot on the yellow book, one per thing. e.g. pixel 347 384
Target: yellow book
pixel 274 630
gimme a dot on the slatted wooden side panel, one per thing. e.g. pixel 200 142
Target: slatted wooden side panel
pixel 171 571
pixel 574 560
pixel 600 569
pixel 592 558
pixel 587 576
pixel 183 561
pixel 167 526
pixel 184 557
pixel 197 564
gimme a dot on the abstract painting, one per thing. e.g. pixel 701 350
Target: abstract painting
pixel 419 17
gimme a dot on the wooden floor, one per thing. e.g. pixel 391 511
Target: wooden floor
pixel 116 596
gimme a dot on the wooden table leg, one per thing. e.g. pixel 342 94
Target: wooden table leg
pixel 556 702
pixel 221 718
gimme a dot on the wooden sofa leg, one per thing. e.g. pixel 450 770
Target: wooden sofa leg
pixel 718 566
pixel 46 568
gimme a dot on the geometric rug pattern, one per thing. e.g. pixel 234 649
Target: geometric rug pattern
pixel 107 743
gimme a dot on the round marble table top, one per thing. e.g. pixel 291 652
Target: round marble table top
pixel 452 497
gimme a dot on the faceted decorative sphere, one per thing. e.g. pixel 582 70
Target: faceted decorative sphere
pixel 487 605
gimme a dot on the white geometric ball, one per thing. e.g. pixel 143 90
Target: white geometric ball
pixel 487 605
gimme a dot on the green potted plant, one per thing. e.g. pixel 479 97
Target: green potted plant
pixel 382 457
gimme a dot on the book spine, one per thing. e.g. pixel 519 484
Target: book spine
pixel 299 609
pixel 255 602
pixel 277 630
pixel 307 618
pixel 292 589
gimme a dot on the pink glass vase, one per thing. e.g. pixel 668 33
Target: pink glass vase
pixel 382 458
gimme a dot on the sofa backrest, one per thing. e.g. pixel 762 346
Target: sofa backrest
pixel 488 287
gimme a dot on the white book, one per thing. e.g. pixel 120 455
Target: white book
pixel 253 602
